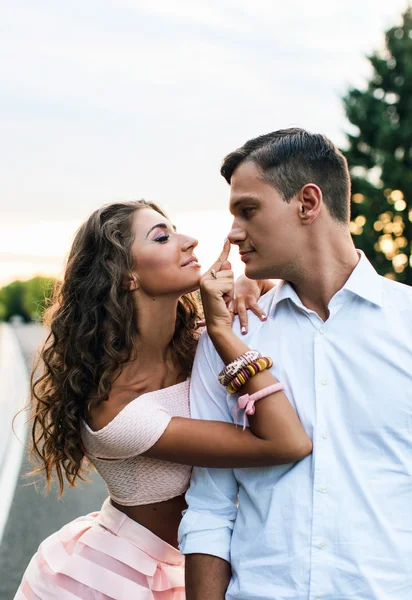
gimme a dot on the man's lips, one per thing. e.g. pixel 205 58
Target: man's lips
pixel 245 254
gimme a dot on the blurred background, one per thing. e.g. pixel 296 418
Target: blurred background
pixel 105 100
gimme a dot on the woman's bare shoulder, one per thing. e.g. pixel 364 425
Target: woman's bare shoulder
pixel 102 412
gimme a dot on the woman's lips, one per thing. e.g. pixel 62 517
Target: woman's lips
pixel 192 263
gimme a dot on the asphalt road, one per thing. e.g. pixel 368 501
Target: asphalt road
pixel 34 516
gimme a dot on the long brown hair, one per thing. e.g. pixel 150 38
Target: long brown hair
pixel 93 332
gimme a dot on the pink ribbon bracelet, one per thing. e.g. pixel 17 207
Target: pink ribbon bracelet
pixel 247 402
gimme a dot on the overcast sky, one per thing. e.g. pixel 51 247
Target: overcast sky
pixel 121 99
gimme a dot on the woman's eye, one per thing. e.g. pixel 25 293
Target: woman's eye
pixel 162 238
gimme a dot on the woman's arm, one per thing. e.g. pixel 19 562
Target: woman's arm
pixel 276 435
pixel 215 444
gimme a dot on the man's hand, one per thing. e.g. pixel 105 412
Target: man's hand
pixel 247 294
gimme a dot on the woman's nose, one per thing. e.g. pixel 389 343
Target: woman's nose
pixel 189 242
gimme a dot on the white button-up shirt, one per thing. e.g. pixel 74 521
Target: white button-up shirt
pixel 338 524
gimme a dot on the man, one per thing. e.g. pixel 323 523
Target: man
pixel 338 524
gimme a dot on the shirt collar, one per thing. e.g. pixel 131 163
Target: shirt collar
pixel 364 282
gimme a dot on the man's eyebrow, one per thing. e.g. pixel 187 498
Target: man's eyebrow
pixel 160 226
pixel 242 200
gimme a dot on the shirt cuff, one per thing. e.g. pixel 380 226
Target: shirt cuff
pixel 214 542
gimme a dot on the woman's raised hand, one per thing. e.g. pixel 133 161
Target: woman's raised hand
pixel 216 288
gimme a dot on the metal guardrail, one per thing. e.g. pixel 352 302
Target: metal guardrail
pixel 14 393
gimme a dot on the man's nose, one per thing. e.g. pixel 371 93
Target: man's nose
pixel 236 235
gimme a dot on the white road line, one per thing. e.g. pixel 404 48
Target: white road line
pixel 14 392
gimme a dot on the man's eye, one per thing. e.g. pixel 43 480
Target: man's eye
pixel 162 238
pixel 247 212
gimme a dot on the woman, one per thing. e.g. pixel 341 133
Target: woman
pixel 115 389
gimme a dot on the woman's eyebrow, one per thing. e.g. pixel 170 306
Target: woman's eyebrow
pixel 160 226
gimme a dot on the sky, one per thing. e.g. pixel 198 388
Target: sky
pixel 105 100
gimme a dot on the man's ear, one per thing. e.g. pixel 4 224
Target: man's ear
pixel 130 283
pixel 310 201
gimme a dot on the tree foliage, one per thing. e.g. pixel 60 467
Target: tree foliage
pixel 380 156
pixel 26 298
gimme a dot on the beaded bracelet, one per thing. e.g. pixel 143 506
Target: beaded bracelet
pixel 252 369
pixel 256 367
pixel 232 369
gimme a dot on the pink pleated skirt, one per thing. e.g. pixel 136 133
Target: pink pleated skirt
pixel 104 556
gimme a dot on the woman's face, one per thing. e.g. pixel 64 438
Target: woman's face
pixel 164 260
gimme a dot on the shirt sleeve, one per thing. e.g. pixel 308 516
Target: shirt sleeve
pixel 132 432
pixel 208 522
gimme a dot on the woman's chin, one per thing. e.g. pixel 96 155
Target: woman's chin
pixel 195 284
pixel 194 288
pixel 195 280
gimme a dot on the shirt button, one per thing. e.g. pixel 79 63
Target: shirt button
pixel 324 381
pixel 323 490
pixel 321 331
pixel 322 545
pixel 325 435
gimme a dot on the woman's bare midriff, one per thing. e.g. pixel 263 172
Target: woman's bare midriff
pixel 161 518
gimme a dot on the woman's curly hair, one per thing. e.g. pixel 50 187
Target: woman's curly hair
pixel 93 332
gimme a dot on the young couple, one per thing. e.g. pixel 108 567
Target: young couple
pixel 266 518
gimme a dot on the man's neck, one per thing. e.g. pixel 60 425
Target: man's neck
pixel 325 274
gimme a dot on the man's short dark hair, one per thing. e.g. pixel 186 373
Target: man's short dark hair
pixel 291 158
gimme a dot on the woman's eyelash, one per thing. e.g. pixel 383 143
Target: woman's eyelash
pixel 162 238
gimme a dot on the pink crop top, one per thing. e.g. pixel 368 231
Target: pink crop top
pixel 115 450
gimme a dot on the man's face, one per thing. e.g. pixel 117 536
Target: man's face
pixel 265 227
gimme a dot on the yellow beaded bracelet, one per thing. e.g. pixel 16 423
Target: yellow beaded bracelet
pixel 247 372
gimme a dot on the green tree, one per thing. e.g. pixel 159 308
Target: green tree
pixel 380 156
pixel 26 298
pixel 11 297
pixel 37 292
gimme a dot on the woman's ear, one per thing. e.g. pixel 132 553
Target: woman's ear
pixel 130 283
